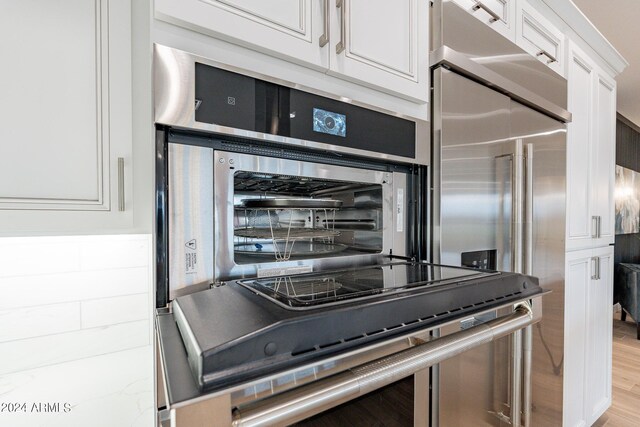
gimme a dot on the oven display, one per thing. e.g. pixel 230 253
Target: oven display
pixel 329 123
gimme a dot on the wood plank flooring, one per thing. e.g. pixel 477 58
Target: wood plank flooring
pixel 625 407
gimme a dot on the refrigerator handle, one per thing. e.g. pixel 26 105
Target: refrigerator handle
pixel 528 208
pixel 518 208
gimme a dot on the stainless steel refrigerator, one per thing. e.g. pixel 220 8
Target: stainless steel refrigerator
pixel 499 133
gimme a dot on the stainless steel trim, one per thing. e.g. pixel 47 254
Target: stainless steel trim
pixel 551 58
pixel 516 377
pixel 306 401
pixel 594 268
pixel 174 99
pixel 479 5
pixel 527 363
pixel 121 206
pixel 324 38
pixel 341 44
pixel 445 56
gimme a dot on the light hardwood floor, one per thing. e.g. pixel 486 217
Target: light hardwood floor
pixel 625 408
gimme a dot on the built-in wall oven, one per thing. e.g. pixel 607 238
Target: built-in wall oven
pixel 291 253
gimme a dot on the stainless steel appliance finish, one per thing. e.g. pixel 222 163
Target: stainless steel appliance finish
pixel 499 180
pixel 230 238
pixel 174 96
pixel 464 43
pixel 186 405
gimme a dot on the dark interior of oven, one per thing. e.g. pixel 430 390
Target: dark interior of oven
pixel 282 217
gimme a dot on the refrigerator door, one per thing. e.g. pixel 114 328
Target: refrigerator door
pixel 501 198
pixel 544 146
pixel 472 213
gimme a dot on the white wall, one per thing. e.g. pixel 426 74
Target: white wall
pixel 76 328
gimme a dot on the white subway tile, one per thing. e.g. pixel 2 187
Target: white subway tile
pixel 107 253
pixel 55 288
pixel 109 311
pixel 109 390
pixel 38 321
pixel 52 349
pixel 36 256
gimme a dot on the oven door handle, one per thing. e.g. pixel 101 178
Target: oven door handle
pixel 303 402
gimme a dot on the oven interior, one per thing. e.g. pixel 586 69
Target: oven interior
pixel 286 217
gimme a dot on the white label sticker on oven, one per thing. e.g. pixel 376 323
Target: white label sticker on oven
pixel 284 271
pixel 400 211
pixel 190 257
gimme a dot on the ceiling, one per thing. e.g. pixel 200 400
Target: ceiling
pixel 618 21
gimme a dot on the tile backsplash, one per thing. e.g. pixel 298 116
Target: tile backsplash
pixel 68 303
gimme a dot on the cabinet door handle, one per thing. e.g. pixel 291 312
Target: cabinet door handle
pixel 598 269
pixel 594 268
pixel 599 223
pixel 479 5
pixel 324 38
pixel 551 58
pixel 121 184
pixel 594 226
pixel 340 46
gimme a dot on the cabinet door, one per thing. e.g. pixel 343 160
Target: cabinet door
pixel 580 225
pixel 536 35
pixel 599 328
pixel 66 108
pixel 488 10
pixel 603 159
pixel 577 281
pixel 291 29
pixel 382 44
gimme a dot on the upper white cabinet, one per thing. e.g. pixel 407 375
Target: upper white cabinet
pixel 536 35
pixel 590 153
pixel 295 29
pixel 498 14
pixel 66 109
pixel 375 43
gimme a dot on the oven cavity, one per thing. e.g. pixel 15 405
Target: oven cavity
pixel 285 217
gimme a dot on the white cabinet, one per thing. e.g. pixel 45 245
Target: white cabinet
pixel 498 14
pixel 66 109
pixel 590 153
pixel 588 329
pixel 536 35
pixel 375 43
pixel 289 28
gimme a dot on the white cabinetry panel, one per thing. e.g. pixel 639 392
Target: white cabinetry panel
pixel 599 329
pixel 588 329
pixel 536 35
pixel 284 28
pixel 604 157
pixel 65 156
pixel 375 43
pixel 578 275
pixel 579 131
pixel 384 45
pixel 590 154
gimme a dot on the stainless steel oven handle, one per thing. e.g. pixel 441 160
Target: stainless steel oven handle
pixel 479 5
pixel 341 44
pixel 306 401
pixel 324 38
